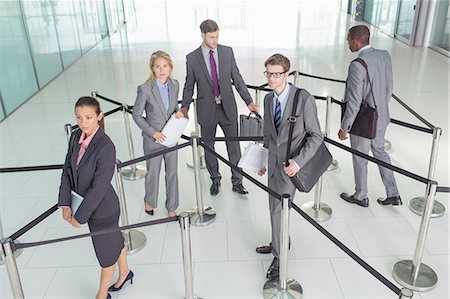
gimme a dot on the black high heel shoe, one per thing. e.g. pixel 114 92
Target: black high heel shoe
pixel 150 212
pixel 129 277
pixel 108 296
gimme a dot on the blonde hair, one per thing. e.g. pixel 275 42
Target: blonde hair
pixel 153 57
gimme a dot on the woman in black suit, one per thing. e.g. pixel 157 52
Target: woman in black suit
pixel 88 170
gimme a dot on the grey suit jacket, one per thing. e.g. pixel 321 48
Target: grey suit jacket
pixel 93 178
pixel 307 125
pixel 149 99
pixel 197 73
pixel 358 87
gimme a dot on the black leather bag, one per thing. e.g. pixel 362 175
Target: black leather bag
pixel 365 124
pixel 307 177
pixel 250 126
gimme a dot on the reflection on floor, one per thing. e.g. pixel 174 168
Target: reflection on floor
pixel 225 262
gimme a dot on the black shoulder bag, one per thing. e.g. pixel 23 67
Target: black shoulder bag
pixel 365 124
pixel 307 177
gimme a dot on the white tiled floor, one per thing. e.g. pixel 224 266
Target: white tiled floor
pixel 225 263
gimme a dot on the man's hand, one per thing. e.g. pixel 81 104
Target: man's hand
pixel 159 137
pixel 252 107
pixel 262 171
pixel 184 110
pixel 342 134
pixel 292 169
pixel 67 213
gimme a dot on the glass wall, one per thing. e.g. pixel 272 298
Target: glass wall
pixel 382 14
pixel 440 31
pixel 40 38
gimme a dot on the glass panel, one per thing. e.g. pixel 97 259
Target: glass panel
pixel 2 111
pixel 86 27
pixel 113 19
pixel 441 25
pixel 17 77
pixel 42 35
pixel 120 11
pixel 405 19
pixel 66 28
pixel 387 16
pixel 103 25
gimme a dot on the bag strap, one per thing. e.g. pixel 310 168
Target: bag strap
pixel 364 64
pixel 292 120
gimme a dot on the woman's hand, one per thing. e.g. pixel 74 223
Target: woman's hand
pixel 67 213
pixel 159 137
pixel 179 114
pixel 74 222
pixel 262 171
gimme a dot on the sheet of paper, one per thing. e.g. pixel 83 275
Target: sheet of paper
pixel 76 201
pixel 173 130
pixel 254 157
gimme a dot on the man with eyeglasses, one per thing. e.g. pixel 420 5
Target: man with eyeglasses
pixel 306 139
pixel 212 67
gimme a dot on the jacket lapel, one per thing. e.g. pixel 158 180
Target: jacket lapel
pixel 202 63
pixel 91 147
pixel 158 99
pixel 173 97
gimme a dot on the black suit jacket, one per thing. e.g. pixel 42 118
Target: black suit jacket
pixel 92 178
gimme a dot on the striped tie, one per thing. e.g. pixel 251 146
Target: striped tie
pixel 277 113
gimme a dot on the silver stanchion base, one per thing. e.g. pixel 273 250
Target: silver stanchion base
pixel 333 166
pixel 136 241
pixel 198 219
pixel 406 294
pixel 387 145
pixel 272 289
pixel 190 164
pixel 323 213
pixel 417 205
pixel 426 280
pixel 17 253
pixel 130 175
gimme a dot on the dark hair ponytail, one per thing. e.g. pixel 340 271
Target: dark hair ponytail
pixel 91 102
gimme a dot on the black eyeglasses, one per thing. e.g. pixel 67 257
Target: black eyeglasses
pixel 275 74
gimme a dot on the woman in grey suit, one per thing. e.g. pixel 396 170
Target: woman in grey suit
pixel 88 170
pixel 158 98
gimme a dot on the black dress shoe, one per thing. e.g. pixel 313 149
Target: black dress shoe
pixel 395 201
pixel 274 269
pixel 129 277
pixel 214 190
pixel 150 212
pixel 240 189
pixel 351 199
pixel 267 248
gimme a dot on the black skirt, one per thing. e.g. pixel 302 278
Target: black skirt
pixel 107 246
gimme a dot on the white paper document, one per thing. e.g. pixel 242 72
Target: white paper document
pixel 173 130
pixel 76 200
pixel 254 157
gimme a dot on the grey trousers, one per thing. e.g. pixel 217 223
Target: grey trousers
pixel 376 145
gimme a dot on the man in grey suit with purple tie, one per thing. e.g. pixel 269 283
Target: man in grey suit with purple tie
pixel 212 67
pixel 369 79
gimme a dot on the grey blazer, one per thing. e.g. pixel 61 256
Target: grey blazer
pixel 307 124
pixel 358 87
pixel 197 73
pixel 93 178
pixel 149 99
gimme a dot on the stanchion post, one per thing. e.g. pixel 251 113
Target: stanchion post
pixel 283 287
pixel 134 239
pixel 334 163
pixel 7 255
pixel 257 96
pixel 405 294
pixel 184 221
pixel 134 172
pixel 200 215
pixel 198 130
pixel 295 78
pixel 17 252
pixel 414 274
pixel 417 204
pixel 68 130
pixel 94 93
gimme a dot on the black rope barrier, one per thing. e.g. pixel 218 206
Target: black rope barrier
pixel 109 100
pixel 411 126
pixel 152 155
pixel 34 222
pixel 443 189
pixel 31 168
pixel 103 232
pixel 338 243
pixel 348 251
pixel 185 137
pixel 413 112
pixel 379 162
pixel 246 138
pixel 74 127
pixel 321 78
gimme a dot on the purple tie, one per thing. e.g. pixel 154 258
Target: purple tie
pixel 214 74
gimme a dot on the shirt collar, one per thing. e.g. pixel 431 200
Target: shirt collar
pixel 86 140
pixel 284 94
pixel 162 85
pixel 205 50
pixel 364 48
